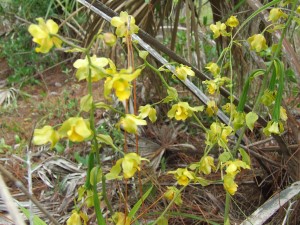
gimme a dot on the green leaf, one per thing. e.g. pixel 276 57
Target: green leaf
pixel 139 203
pixel 36 219
pixel 106 139
pixel 251 118
pixel 245 156
pixel 86 103
pixel 172 95
pixel 224 157
pixel 102 105
pixel 93 173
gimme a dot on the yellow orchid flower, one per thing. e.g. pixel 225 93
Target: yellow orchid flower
pixel 149 111
pixel 119 218
pixel 130 163
pixel 268 97
pixel 229 184
pixel 43 35
pixel 228 108
pixel 171 193
pixel 232 21
pixel 283 115
pixel 218 29
pixel 130 123
pixel 120 82
pixel 183 176
pixel 76 129
pixel 125 25
pixel 206 164
pixel 257 42
pixel 183 71
pixel 213 68
pixel 182 110
pixel 276 14
pixel 212 108
pixel 234 167
pixel 218 133
pixel 211 85
pixel 74 219
pixel 96 67
pixel 45 135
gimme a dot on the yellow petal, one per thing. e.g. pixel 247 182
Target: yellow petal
pixel 36 31
pixel 52 26
pixel 45 135
pixel 116 21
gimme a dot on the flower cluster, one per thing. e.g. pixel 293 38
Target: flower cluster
pixel 232 169
pixel 219 29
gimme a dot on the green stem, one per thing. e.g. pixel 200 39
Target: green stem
pixel 227 209
pixel 158 73
pixel 99 216
pixel 105 195
pixel 69 42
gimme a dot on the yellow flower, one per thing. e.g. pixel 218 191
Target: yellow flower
pixel 183 176
pixel 228 107
pixel 274 128
pixel 234 167
pixel 149 111
pixel 182 110
pixel 74 219
pixel 182 72
pixel 130 123
pixel 119 218
pixel 257 42
pixel 212 108
pixel 171 193
pixel 232 21
pixel 45 135
pixel 213 68
pixel 211 85
pixel 218 133
pixel 120 82
pixel 130 164
pixel 125 24
pixel 76 129
pixel 218 29
pixel 206 164
pixel 298 9
pixel 276 14
pixel 96 67
pixel 268 97
pixel 109 39
pixel 229 184
pixel 283 115
pixel 42 35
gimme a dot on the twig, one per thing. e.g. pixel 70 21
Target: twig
pixel 9 202
pixel 31 197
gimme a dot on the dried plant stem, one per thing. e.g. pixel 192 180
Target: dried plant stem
pixel 9 202
pixel 25 191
